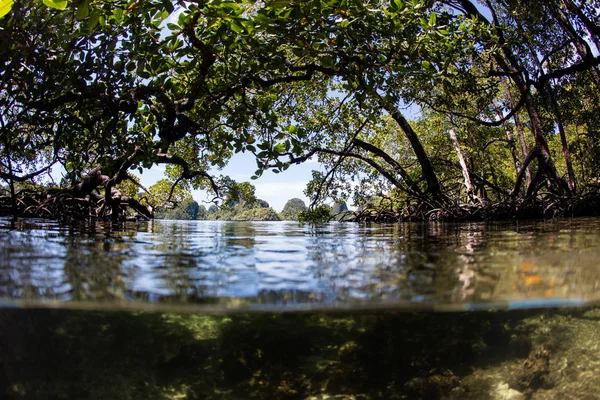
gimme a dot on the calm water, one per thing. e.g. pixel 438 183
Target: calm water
pixel 144 311
pixel 207 265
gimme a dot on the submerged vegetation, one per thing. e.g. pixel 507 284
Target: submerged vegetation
pixel 536 354
pixel 507 93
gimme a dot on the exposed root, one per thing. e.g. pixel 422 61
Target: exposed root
pixel 64 204
pixel 546 206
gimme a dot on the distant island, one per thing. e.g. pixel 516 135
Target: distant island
pixel 241 204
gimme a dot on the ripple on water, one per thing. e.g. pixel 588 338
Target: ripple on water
pixel 444 266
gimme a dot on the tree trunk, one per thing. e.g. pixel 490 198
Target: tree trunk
pixel 521 174
pixel 547 92
pixel 592 28
pixel 433 185
pixel 580 44
pixel 511 141
pixel 544 158
pixel 463 166
pixel 520 134
pixel 571 180
pixel 509 64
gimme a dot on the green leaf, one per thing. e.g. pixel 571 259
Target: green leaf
pixel 168 5
pixel 432 19
pixel 230 5
pixel 426 64
pixel 57 4
pixel 236 27
pixel 83 11
pixel 5 7
pixel 93 20
pixel 278 3
pixel 344 23
pixel 182 19
pixel 399 4
pixel 118 14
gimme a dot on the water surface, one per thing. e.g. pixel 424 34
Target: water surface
pixel 213 265
pixel 353 342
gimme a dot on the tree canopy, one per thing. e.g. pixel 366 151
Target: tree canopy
pixel 508 92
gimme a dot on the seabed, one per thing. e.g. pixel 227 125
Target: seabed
pixel 518 354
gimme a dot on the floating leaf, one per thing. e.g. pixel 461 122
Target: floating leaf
pixel 5 7
pixel 57 4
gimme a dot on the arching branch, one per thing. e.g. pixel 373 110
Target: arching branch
pixel 162 158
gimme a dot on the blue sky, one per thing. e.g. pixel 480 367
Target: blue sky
pixel 276 189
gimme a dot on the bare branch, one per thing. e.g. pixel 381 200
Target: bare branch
pixel 16 178
pixel 162 158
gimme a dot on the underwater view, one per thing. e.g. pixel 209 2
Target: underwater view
pixel 151 247
pixel 278 310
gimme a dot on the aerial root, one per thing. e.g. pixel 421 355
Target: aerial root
pixel 546 206
pixel 60 204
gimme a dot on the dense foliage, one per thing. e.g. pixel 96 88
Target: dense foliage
pixel 508 93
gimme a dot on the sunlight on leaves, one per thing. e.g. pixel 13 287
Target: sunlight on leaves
pixel 57 4
pixel 5 7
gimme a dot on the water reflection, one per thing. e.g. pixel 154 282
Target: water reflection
pixel 260 264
